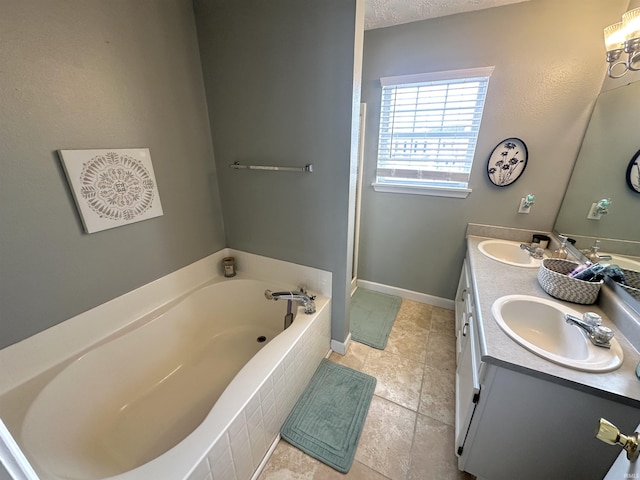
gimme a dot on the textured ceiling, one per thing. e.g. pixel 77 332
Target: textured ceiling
pixel 384 13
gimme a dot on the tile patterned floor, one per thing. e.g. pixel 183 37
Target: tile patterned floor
pixel 409 430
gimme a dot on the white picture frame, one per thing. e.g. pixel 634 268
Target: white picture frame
pixel 112 187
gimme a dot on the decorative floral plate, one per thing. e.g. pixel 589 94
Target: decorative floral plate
pixel 507 162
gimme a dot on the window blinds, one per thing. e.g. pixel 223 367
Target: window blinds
pixel 429 129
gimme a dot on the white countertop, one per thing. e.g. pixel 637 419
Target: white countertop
pixel 491 280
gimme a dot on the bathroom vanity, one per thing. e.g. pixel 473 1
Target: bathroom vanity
pixel 519 415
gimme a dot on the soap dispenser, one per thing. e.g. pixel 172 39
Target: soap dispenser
pixel 561 251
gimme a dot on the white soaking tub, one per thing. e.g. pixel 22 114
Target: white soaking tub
pixel 203 387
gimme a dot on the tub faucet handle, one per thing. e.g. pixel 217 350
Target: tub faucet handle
pixel 304 290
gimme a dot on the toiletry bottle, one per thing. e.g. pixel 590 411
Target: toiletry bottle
pixel 229 266
pixel 594 273
pixel 561 251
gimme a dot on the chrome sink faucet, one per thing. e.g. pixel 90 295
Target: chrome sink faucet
pixel 301 296
pixel 599 335
pixel 534 250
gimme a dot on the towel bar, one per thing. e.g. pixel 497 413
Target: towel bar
pixel 307 168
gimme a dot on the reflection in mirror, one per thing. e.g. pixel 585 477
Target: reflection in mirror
pixel 600 173
pixel 611 141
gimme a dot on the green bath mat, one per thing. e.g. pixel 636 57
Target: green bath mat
pixel 372 316
pixel 327 420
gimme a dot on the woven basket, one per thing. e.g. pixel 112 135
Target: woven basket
pixel 553 278
pixel 633 283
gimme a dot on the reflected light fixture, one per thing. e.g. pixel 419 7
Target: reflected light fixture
pixel 624 37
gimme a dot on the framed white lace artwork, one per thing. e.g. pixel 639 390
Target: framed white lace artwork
pixel 112 187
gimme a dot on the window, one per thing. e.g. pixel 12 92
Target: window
pixel 429 126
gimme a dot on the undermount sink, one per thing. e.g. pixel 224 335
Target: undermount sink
pixel 508 252
pixel 539 325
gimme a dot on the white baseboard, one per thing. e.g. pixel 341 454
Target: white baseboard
pixel 408 294
pixel 341 347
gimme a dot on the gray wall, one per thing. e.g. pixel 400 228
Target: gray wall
pixel 279 78
pixel 549 68
pixel 97 74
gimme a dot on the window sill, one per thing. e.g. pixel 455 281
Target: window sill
pixel 415 190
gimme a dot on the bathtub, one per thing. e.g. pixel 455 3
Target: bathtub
pixel 200 389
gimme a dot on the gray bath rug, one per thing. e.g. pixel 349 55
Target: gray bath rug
pixel 372 316
pixel 327 421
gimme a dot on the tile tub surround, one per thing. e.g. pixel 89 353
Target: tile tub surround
pixel 493 280
pixel 240 450
pixel 268 397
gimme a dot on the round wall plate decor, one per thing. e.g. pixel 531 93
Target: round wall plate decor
pixel 507 162
pixel 633 173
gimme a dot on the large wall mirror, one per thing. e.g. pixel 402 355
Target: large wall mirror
pixel 611 141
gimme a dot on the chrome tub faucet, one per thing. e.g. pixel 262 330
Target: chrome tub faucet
pixel 300 296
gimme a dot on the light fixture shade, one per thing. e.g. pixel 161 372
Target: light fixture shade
pixel 631 24
pixel 614 36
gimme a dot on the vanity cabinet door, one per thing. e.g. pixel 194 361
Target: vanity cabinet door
pixel 467 387
pixel 464 309
pixel 467 359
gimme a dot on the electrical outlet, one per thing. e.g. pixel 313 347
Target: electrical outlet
pixel 523 208
pixel 593 212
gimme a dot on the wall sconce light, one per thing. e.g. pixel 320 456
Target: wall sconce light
pixel 624 37
pixel 599 208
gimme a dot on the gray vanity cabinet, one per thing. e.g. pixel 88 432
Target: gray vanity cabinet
pixel 513 422
pixel 529 428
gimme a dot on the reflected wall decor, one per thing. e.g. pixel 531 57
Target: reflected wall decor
pixel 112 187
pixel 633 173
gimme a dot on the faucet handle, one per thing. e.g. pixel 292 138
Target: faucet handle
pixel 592 318
pixel 609 433
pixel 602 335
pixel 304 290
